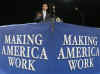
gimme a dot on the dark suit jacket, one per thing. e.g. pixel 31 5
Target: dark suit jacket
pixel 40 18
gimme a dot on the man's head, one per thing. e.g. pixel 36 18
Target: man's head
pixel 45 6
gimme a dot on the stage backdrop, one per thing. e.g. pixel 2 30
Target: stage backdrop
pixel 49 48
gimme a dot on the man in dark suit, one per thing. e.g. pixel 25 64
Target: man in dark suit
pixel 43 16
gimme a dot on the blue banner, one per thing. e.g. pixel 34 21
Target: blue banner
pixel 49 48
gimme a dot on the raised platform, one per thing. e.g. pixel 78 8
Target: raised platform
pixel 49 48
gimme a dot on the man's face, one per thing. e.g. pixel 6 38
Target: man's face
pixel 44 7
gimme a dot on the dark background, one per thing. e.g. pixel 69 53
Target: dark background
pixel 18 11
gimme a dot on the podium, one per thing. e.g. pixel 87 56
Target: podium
pixel 49 48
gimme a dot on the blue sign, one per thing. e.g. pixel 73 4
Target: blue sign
pixel 49 48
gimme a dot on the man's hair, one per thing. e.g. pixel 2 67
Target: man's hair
pixel 45 3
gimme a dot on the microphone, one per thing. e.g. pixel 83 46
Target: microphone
pixel 54 10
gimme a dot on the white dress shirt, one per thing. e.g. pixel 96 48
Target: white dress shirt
pixel 44 15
